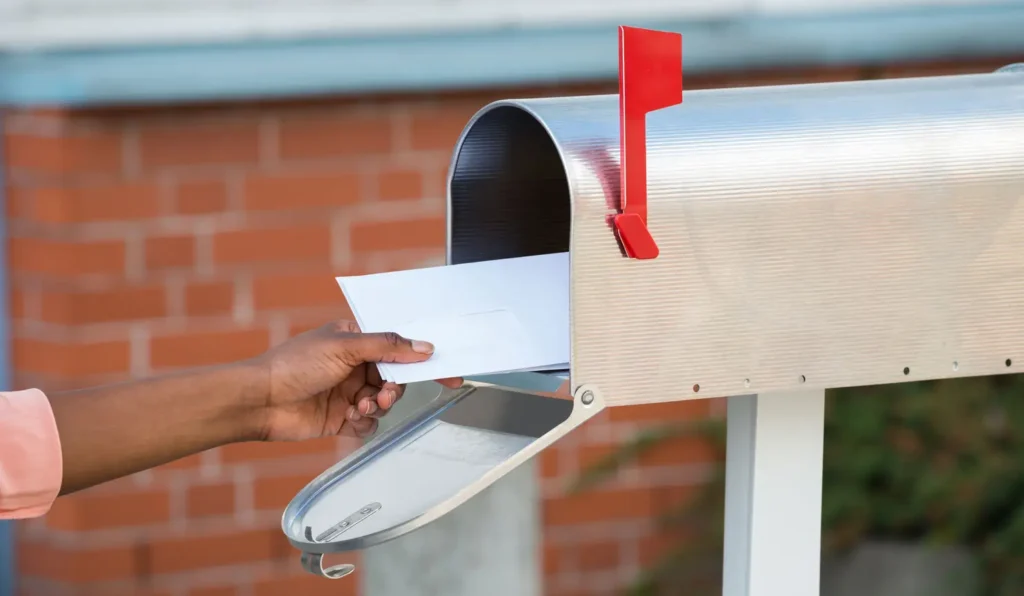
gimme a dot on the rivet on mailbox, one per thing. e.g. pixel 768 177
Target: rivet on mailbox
pixel 806 237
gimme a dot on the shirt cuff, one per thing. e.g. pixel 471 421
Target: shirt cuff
pixel 31 463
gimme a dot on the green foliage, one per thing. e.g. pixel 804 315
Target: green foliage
pixel 939 463
pixel 935 463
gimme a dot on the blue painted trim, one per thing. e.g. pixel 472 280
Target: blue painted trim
pixel 8 570
pixel 493 58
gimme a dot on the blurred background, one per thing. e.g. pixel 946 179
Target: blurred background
pixel 183 179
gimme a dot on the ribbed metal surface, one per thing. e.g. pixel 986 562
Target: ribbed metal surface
pixel 817 235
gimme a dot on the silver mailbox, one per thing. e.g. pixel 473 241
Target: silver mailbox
pixel 809 236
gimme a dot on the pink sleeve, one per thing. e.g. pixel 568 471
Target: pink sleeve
pixel 31 465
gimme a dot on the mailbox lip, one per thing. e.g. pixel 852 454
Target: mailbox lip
pixel 523 105
pixel 302 501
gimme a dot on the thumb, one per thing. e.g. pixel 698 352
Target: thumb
pixel 387 347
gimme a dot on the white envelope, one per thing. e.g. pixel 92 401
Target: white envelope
pixel 483 318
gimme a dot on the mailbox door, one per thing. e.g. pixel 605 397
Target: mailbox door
pixel 406 477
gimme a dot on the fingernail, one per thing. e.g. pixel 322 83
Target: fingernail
pixel 371 407
pixel 353 414
pixel 422 347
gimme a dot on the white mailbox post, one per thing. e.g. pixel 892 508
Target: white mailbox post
pixel 772 243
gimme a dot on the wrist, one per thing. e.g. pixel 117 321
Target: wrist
pixel 251 409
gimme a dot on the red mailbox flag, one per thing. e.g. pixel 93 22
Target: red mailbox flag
pixel 650 78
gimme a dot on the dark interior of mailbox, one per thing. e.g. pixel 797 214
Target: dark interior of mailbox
pixel 509 192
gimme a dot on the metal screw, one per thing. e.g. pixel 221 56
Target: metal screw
pixel 587 398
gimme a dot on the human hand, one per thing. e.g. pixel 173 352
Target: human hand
pixel 324 382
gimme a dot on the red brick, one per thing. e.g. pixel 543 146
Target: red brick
pixel 309 585
pixel 70 360
pixel 247 452
pixel 400 184
pixel 189 462
pixel 555 559
pixel 599 505
pixel 398 235
pixel 67 259
pixel 212 298
pixel 210 499
pixel 19 202
pixel 299 290
pixel 99 511
pixel 48 114
pixel 439 188
pixel 338 136
pixel 615 504
pixel 115 304
pixel 94 564
pixel 549 466
pixel 95 203
pixel 188 553
pixel 603 555
pixel 18 304
pixel 591 455
pixel 274 245
pixel 693 409
pixel 681 450
pixel 94 153
pixel 199 144
pixel 438 128
pixel 272 492
pixel 205 348
pixel 130 588
pixel 196 197
pixel 267 192
pixel 170 252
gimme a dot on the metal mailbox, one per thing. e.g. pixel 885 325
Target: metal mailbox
pixel 795 238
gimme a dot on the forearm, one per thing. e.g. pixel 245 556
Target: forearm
pixel 109 432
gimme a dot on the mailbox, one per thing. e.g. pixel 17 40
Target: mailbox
pixel 764 240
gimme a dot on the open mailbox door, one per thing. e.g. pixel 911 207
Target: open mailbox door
pixel 412 474
pixel 771 240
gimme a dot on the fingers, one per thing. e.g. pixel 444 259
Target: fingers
pixel 385 347
pixel 360 426
pixel 451 383
pixel 359 419
pixel 375 402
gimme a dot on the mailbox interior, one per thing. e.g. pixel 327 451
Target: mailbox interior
pixel 508 190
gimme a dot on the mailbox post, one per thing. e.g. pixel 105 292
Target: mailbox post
pixel 767 244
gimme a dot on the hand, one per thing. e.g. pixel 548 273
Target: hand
pixel 324 382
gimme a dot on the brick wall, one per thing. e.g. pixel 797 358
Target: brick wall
pixel 143 240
